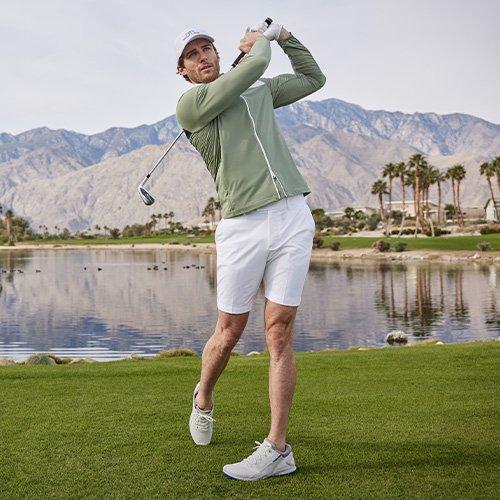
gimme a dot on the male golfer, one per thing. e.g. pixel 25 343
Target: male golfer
pixel 267 229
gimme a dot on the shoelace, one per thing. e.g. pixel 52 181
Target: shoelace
pixel 202 421
pixel 259 454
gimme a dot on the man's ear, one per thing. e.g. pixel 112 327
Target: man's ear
pixel 183 71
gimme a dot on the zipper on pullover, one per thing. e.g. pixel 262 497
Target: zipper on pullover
pixel 274 177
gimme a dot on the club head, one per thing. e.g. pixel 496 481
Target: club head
pixel 146 197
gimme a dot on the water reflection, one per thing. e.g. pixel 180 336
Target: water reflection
pixel 125 308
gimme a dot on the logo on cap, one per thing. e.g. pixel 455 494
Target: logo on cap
pixel 189 33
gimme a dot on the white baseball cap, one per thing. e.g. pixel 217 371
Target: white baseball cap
pixel 187 36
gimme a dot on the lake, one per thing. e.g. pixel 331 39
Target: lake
pixel 49 302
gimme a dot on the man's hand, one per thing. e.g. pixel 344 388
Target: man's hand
pixel 250 37
pixel 271 30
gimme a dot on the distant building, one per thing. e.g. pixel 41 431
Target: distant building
pixel 338 214
pixel 473 213
pixel 335 215
pixel 409 208
pixel 366 210
pixel 491 209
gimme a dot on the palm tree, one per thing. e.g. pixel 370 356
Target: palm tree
pixel 489 171
pixel 401 172
pixel 457 173
pixel 9 215
pixel 431 177
pixel 410 182
pixel 209 211
pixel 218 207
pixel 496 166
pixel 379 188
pixel 440 177
pixel 390 171
pixel 153 222
pixel 425 184
pixel 449 175
pixel 415 163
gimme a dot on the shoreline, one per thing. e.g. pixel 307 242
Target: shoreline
pixel 318 255
pixel 58 359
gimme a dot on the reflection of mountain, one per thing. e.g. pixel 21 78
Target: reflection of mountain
pixel 126 307
pixel 123 299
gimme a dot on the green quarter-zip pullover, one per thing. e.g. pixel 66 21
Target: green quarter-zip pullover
pixel 232 125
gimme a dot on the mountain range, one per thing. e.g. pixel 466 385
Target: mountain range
pixel 67 179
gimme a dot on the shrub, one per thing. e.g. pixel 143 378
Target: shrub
pixel 335 245
pixel 400 246
pixel 60 361
pixel 381 246
pixel 40 359
pixel 437 232
pixel 483 246
pixel 318 241
pixel 171 353
pixel 406 231
pixel 490 229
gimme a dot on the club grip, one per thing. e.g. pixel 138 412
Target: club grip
pixel 268 21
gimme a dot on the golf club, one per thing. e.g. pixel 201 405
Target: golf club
pixel 146 196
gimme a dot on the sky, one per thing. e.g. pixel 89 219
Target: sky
pixel 87 65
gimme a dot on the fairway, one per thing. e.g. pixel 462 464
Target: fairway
pixel 412 422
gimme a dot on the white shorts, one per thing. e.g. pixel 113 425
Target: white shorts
pixel 273 243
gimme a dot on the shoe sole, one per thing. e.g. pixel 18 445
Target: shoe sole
pixel 227 476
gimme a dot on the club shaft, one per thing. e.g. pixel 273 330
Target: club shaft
pixel 164 154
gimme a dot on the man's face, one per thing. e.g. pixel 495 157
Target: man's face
pixel 201 61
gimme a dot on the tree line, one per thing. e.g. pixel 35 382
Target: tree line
pixel 418 175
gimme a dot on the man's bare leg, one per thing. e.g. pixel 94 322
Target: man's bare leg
pixel 279 322
pixel 216 354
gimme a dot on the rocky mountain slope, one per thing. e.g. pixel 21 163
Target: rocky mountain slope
pixel 58 177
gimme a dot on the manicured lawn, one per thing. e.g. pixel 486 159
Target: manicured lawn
pixel 177 238
pixel 412 422
pixel 421 243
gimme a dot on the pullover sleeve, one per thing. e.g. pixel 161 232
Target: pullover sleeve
pixel 200 105
pixel 306 78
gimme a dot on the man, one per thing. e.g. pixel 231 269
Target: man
pixel 267 229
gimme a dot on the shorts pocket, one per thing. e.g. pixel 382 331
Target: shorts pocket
pixel 218 229
pixel 312 223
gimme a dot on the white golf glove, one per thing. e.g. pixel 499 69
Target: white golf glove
pixel 261 27
pixel 273 31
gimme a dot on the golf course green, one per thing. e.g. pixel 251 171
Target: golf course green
pixel 396 422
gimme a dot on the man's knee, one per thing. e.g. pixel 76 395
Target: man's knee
pixel 229 329
pixel 279 330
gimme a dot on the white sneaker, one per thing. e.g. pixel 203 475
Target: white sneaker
pixel 201 423
pixel 264 462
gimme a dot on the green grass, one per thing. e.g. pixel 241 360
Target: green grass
pixel 167 239
pixel 421 243
pixel 412 422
